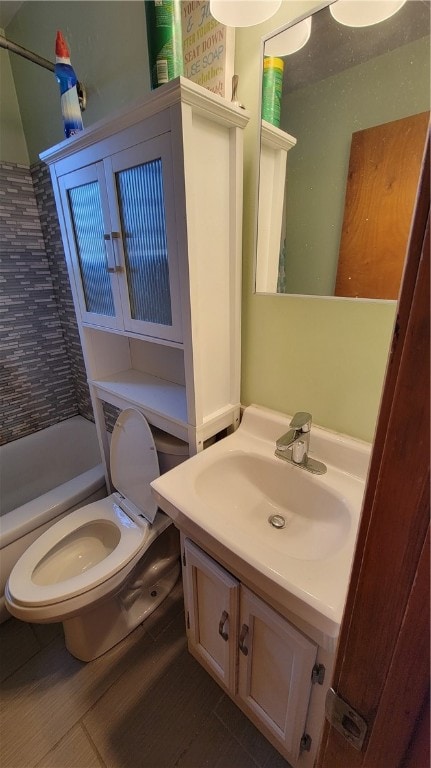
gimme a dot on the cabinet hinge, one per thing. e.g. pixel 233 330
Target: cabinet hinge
pixel 305 743
pixel 318 674
pixel 184 558
pixel 345 720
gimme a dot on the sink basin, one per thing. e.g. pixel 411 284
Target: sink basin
pixel 231 497
pixel 252 489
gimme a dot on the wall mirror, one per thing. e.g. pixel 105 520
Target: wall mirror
pixel 338 175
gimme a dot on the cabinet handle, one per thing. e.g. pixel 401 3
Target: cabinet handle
pixel 109 252
pixel 117 266
pixel 222 622
pixel 243 634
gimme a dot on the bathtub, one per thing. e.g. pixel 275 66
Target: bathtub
pixel 43 477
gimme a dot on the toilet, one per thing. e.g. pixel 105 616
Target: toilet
pixel 105 567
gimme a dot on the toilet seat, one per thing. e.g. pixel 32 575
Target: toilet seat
pixel 66 597
pixel 27 591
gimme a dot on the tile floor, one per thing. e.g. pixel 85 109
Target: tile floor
pixel 145 704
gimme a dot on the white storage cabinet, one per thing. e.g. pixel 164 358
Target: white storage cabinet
pixel 150 209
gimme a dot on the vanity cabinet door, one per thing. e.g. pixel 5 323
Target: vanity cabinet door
pixel 211 600
pixel 275 668
pixel 92 259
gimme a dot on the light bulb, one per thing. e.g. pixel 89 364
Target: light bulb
pixel 291 40
pixel 363 13
pixel 243 13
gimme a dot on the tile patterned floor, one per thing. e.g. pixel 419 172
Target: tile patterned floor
pixel 145 704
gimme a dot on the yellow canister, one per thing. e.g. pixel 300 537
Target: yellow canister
pixel 272 87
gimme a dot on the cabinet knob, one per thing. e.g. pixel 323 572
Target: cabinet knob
pixel 222 622
pixel 242 635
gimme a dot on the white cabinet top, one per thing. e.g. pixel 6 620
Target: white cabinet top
pixel 176 92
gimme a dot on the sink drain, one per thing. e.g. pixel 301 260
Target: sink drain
pixel 277 521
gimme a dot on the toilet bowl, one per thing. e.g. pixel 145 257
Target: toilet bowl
pixel 105 567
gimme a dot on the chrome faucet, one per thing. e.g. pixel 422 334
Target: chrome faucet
pixel 294 445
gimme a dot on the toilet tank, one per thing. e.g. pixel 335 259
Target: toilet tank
pixel 171 451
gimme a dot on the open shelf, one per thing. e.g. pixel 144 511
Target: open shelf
pixel 155 396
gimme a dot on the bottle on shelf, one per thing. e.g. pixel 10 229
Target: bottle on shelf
pixel 272 87
pixel 67 81
pixel 165 43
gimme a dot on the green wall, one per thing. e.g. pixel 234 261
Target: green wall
pixel 327 356
pixel 13 148
pixel 378 91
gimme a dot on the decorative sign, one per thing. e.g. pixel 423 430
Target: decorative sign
pixel 208 48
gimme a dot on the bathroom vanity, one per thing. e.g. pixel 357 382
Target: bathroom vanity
pixel 264 604
pixel 150 209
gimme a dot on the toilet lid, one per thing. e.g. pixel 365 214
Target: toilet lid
pixel 134 462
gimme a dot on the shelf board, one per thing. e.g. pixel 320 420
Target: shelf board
pixel 133 336
pixel 156 396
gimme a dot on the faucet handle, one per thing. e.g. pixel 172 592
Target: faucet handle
pixel 285 441
pixel 301 421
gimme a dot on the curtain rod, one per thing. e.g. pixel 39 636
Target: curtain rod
pixel 5 43
pixel 36 59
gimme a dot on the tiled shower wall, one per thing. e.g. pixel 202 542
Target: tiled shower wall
pixel 42 374
pixel 60 278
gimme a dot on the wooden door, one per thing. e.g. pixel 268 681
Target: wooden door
pixel 382 665
pixel 212 598
pixel 275 671
pixel 384 169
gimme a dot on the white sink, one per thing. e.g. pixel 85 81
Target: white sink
pixel 251 489
pixel 225 496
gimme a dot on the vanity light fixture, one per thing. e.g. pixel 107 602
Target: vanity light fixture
pixel 243 13
pixel 291 40
pixel 363 13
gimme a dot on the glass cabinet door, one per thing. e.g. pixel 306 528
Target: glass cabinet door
pixel 142 206
pixel 93 257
